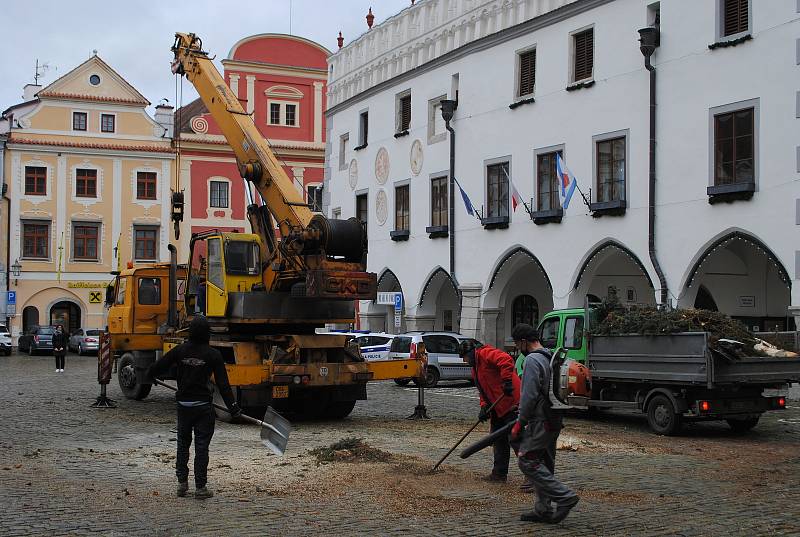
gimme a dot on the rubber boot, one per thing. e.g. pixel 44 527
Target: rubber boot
pixel 203 493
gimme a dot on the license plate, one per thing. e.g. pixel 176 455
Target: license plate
pixel 280 392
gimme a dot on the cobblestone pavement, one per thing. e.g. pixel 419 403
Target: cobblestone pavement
pixel 67 469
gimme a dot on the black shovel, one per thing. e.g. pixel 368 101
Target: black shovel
pixel 275 428
pixel 465 435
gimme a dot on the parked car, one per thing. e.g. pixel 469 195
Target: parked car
pixel 444 363
pixel 374 346
pixel 5 340
pixel 83 341
pixel 37 339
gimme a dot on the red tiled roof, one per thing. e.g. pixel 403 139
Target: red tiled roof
pixel 112 147
pixel 86 97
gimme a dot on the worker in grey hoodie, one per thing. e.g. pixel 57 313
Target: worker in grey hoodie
pixel 536 431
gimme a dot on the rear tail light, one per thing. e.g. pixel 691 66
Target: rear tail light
pixel 704 406
pixel 780 402
pixel 36 339
pixel 413 351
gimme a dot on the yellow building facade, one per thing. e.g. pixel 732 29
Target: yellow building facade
pixel 89 181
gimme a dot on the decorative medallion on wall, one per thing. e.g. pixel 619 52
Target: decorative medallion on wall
pixel 416 157
pixel 382 165
pixel 353 175
pixel 381 207
pixel 199 125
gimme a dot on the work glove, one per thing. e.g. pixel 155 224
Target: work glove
pixel 508 388
pixel 483 415
pixel 235 410
pixel 516 431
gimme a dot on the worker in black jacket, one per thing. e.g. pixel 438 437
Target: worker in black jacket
pixel 196 361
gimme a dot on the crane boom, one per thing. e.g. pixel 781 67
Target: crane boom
pixel 254 156
pixel 315 256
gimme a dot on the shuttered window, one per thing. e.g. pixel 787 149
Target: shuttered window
pixel 527 73
pixel 735 17
pixel 583 43
pixel 405 113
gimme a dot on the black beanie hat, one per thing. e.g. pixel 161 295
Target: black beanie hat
pixel 199 330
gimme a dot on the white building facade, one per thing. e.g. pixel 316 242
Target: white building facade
pixel 536 78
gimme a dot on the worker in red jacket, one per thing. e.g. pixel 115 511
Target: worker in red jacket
pixel 497 382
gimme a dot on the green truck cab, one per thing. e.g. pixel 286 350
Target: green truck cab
pixel 567 329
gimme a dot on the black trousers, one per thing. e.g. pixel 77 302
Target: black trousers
pixel 60 358
pixel 501 447
pixel 200 420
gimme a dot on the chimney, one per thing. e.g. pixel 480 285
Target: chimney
pixel 29 92
pixel 165 118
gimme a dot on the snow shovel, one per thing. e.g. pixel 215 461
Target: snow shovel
pixel 452 449
pixel 275 428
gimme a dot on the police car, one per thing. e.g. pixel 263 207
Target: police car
pixel 374 346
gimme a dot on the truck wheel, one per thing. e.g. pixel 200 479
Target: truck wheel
pixel 662 417
pixel 742 425
pixel 337 410
pixel 402 382
pixel 126 375
pixel 431 378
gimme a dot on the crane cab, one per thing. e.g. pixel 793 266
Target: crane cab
pixel 221 263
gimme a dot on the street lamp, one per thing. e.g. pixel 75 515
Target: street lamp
pixel 16 269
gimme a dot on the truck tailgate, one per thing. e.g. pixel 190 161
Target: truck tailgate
pixel 757 370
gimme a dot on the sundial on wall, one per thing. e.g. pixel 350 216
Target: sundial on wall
pixel 382 165
pixel 381 207
pixel 416 157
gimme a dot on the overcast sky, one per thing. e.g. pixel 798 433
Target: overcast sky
pixel 134 38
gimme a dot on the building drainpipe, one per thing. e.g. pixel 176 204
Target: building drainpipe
pixel 448 108
pixel 649 39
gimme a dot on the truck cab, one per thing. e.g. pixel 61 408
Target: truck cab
pixel 566 329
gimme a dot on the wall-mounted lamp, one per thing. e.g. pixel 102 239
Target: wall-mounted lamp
pixel 448 108
pixel 16 269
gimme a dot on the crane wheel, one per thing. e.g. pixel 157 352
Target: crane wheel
pixel 126 374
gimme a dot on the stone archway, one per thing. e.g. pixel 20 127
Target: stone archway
pixel 439 304
pixel 746 280
pixel 67 314
pixel 612 267
pixel 518 273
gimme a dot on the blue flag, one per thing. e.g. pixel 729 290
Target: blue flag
pixel 467 202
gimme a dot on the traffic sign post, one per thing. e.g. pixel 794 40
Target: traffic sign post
pixel 11 298
pixel 398 302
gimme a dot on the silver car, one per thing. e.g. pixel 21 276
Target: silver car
pixel 84 341
pixel 444 363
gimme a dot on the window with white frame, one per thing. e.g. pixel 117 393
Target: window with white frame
pixel 314 197
pixel 610 159
pixel 283 113
pixel 343 141
pixel 218 193
pixel 582 67
pixel 403 112
pixel 497 197
pixel 436 125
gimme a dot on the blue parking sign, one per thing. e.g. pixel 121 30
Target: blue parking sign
pixel 398 302
pixel 12 297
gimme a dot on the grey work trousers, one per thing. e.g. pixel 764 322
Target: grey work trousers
pixel 539 466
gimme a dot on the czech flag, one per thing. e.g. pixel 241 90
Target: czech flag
pixel 567 182
pixel 516 199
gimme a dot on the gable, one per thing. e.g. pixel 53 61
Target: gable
pixel 94 80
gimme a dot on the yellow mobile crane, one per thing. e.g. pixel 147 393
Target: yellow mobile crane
pixel 264 296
